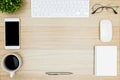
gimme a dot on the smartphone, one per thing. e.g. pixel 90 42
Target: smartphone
pixel 12 33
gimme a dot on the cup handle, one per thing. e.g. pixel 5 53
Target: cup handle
pixel 12 74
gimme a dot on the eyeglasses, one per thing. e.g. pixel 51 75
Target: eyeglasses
pixel 97 8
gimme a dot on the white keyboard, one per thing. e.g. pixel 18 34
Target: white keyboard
pixel 60 8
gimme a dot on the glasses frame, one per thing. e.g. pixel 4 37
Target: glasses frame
pixel 102 8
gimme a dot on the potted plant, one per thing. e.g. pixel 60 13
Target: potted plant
pixel 10 6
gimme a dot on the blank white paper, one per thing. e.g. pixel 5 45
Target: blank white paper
pixel 105 60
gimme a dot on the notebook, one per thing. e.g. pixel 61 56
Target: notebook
pixel 105 60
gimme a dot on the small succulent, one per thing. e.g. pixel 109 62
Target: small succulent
pixel 10 6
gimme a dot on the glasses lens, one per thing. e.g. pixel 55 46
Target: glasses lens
pixel 97 7
pixel 115 7
pixel 110 9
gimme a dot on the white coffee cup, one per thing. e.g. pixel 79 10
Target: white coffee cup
pixel 11 63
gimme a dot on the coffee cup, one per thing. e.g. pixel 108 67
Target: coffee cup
pixel 11 63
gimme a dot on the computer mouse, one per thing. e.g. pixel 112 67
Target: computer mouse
pixel 105 30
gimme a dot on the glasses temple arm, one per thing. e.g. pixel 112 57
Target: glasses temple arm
pixel 114 11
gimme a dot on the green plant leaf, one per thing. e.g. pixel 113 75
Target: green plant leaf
pixel 10 6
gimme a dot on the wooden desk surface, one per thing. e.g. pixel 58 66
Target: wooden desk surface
pixel 59 45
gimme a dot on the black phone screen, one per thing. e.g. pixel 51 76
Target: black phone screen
pixel 12 33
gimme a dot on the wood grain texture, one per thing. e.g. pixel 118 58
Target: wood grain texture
pixel 59 44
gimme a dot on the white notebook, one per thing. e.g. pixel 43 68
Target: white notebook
pixel 105 60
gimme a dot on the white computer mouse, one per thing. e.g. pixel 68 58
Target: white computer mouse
pixel 105 30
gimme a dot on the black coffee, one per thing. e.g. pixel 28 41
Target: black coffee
pixel 11 62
